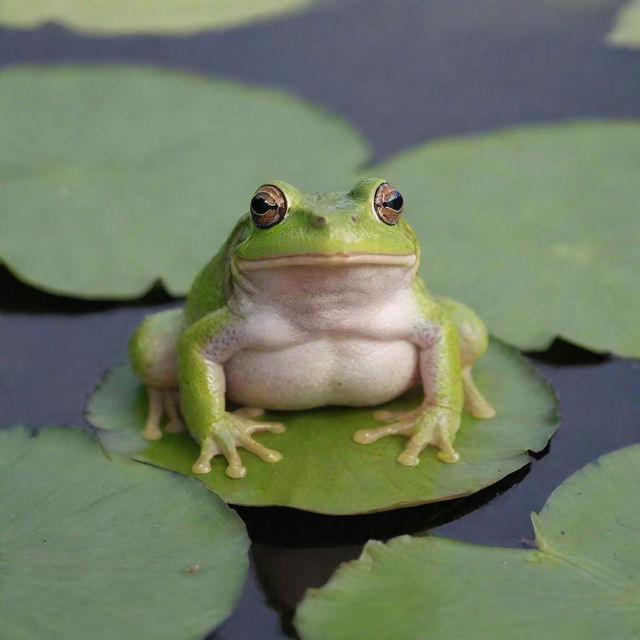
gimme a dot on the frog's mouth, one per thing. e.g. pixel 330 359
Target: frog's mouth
pixel 327 260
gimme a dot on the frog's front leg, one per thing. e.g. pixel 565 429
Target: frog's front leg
pixel 202 350
pixel 437 419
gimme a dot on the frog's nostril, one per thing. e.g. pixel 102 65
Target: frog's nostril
pixel 320 221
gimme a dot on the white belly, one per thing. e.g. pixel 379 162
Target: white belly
pixel 339 371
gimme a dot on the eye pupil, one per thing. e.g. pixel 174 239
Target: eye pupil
pixel 260 205
pixel 395 201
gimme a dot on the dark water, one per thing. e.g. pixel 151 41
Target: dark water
pixel 401 72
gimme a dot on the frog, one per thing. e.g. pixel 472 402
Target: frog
pixel 314 299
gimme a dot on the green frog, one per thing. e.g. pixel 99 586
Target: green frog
pixel 313 300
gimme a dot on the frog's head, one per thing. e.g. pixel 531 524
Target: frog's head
pixel 362 227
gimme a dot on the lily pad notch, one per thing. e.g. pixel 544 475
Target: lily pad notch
pixel 582 581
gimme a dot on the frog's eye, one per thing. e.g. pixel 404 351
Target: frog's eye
pixel 268 206
pixel 388 203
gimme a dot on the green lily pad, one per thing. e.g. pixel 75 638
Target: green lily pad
pixel 537 228
pixel 582 582
pixel 323 470
pixel 99 548
pixel 143 16
pixel 626 27
pixel 114 177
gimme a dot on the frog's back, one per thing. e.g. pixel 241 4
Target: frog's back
pixel 211 288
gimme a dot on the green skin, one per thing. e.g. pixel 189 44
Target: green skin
pixel 326 303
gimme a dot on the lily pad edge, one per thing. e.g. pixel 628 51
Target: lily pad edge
pixel 319 112
pixel 93 28
pixel 552 420
pixel 78 439
pixel 372 548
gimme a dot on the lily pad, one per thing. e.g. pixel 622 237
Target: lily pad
pixel 99 548
pixel 582 582
pixel 323 470
pixel 115 177
pixel 626 27
pixel 537 228
pixel 143 16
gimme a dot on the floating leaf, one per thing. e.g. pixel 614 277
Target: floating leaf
pixel 113 177
pixel 537 228
pixel 582 582
pixel 626 26
pixel 323 470
pixel 143 16
pixel 99 548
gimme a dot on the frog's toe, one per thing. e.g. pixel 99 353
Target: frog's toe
pixel 151 432
pixel 245 419
pixel 480 411
pixel 236 471
pixel 446 451
pixel 247 427
pixel 408 459
pixel 450 457
pixel 367 436
pixel 273 427
pixel 201 467
pixel 421 440
pixel 235 468
pixel 208 449
pixel 264 453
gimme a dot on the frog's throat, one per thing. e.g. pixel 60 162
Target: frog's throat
pixel 327 260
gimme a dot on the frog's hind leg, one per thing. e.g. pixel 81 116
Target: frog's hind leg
pixel 152 352
pixel 171 406
pixel 152 429
pixel 163 403
pixel 475 404
pixel 473 343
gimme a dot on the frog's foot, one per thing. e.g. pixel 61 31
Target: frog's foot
pixel 475 403
pixel 162 402
pixel 235 430
pixel 152 429
pixel 425 425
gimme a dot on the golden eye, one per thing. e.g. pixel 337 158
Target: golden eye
pixel 268 206
pixel 388 203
